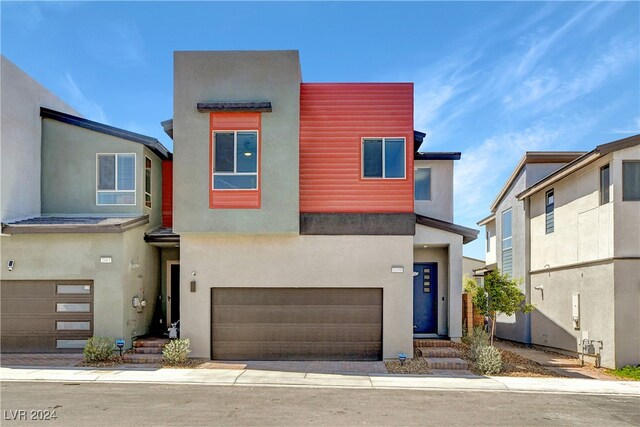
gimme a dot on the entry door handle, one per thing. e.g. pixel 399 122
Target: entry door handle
pixel 415 327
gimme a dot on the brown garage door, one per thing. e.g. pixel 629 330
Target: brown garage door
pixel 296 324
pixel 45 316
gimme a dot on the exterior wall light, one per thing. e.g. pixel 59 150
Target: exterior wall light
pixel 193 281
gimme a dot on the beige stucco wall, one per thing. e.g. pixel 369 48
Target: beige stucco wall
pixel 20 129
pixel 583 229
pixel 626 213
pixel 627 312
pixel 441 204
pixel 77 256
pixel 551 321
pixel 297 261
pixel 443 245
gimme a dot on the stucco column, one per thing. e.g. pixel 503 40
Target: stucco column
pixel 455 290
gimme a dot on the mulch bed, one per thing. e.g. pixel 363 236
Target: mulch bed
pixel 111 363
pixel 190 363
pixel 416 366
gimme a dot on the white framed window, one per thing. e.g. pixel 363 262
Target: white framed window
pixel 507 247
pixel 116 179
pixel 384 158
pixel 422 184
pixel 235 160
pixel 147 182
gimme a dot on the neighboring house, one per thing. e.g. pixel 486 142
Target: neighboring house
pixel 77 197
pixel 289 226
pixel 473 268
pixel 581 228
pixel 506 233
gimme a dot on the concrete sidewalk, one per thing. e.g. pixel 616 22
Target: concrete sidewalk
pixel 246 377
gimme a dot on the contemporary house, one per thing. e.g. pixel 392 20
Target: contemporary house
pixel 293 221
pixel 581 236
pixel 77 197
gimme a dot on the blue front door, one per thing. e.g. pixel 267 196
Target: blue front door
pixel 425 298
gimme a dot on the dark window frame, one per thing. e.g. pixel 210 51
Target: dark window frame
pixel 549 211
pixel 625 196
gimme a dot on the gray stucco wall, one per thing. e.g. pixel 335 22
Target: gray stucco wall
pixel 237 76
pixel 297 261
pixel 77 256
pixel 69 172
pixel 21 99
pixel 441 204
pixel 627 312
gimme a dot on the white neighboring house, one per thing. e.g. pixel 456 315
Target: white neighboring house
pixel 581 238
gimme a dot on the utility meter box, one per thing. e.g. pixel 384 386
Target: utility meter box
pixel 575 310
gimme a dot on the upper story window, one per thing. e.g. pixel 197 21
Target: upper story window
pixel 605 183
pixel 116 179
pixel 422 184
pixel 631 180
pixel 488 238
pixel 383 158
pixel 147 182
pixel 507 249
pixel 235 160
pixel 549 206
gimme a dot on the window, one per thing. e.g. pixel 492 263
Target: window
pixel 507 250
pixel 147 182
pixel 71 306
pixel 73 289
pixel 548 212
pixel 631 181
pixel 383 158
pixel 235 160
pixel 73 326
pixel 423 184
pixel 426 283
pixel 605 182
pixel 488 241
pixel 116 179
pixel 71 343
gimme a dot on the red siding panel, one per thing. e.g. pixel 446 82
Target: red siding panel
pixel 234 199
pixel 334 117
pixel 167 193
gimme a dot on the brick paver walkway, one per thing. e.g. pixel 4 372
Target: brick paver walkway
pixel 317 367
pixel 30 359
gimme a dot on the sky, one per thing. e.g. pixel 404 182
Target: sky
pixel 492 79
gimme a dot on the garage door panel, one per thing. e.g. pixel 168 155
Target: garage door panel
pixel 296 323
pixel 301 351
pixel 296 314
pixel 292 332
pixel 40 316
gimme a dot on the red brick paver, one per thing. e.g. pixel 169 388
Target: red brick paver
pixel 40 359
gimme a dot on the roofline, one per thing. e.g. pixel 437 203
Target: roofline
pixel 437 155
pixel 582 161
pixel 486 220
pixel 468 234
pixel 152 143
pixel 534 157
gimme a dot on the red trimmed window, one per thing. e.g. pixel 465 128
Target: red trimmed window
pixel 235 161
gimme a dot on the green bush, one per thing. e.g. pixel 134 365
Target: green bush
pixel 476 340
pixel 98 349
pixel 176 351
pixel 630 372
pixel 489 360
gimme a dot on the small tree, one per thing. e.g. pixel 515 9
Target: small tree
pixel 500 294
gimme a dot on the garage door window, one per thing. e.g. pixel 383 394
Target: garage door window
pixel 70 343
pixel 73 307
pixel 73 289
pixel 73 326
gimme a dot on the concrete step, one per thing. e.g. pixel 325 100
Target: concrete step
pixel 439 352
pixel 431 343
pixel 142 358
pixel 148 350
pixel 151 342
pixel 446 363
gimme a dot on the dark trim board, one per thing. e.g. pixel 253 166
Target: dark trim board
pixel 468 234
pixel 227 107
pixel 385 224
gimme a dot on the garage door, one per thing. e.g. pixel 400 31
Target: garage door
pixel 45 316
pixel 296 324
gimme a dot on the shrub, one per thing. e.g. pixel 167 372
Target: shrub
pixel 489 360
pixel 476 340
pixel 98 349
pixel 176 351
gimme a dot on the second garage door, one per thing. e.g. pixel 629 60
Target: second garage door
pixel 296 324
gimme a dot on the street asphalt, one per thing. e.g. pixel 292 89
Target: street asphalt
pixel 109 404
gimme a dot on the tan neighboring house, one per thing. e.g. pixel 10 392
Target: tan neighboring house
pixel 581 234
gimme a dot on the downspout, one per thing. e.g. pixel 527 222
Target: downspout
pixel 527 268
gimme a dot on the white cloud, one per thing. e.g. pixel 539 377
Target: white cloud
pixel 89 108
pixel 632 129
